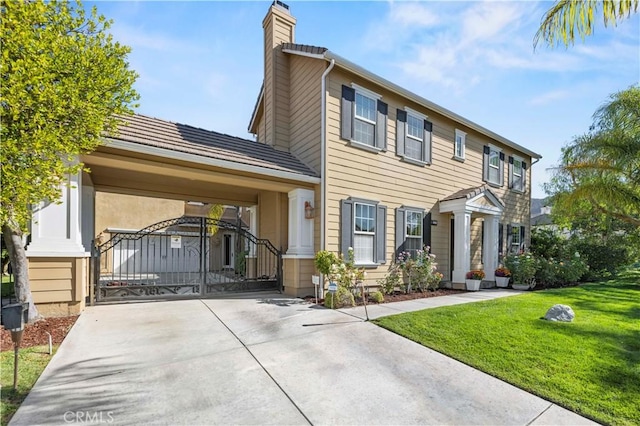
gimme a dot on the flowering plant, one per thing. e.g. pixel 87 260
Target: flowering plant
pixel 419 269
pixel 503 272
pixel 476 274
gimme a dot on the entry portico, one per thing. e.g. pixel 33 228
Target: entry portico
pixel 463 205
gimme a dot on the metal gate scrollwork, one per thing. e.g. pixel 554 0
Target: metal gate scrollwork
pixel 184 257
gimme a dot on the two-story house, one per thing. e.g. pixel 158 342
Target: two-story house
pixel 398 171
pixel 342 158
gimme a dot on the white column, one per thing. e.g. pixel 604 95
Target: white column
pixel 490 255
pixel 88 212
pixel 56 226
pixel 462 245
pixel 253 228
pixel 300 229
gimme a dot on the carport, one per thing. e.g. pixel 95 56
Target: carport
pixel 161 159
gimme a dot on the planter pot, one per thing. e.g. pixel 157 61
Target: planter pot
pixel 473 285
pixel 502 282
pixel 520 286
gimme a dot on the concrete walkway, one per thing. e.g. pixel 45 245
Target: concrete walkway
pixel 266 360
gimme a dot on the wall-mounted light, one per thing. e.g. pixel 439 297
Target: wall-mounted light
pixel 308 210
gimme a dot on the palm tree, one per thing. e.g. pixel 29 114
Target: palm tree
pixel 568 18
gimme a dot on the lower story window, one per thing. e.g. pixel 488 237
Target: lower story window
pixel 363 228
pixel 364 232
pixel 413 236
pixel 516 238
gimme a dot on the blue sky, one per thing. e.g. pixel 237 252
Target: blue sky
pixel 200 63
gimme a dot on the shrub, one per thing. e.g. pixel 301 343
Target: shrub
pixel 420 269
pixel 523 268
pixel 392 280
pixel 343 297
pixel 605 258
pixel 377 297
pixel 324 261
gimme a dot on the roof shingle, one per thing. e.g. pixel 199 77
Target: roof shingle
pixel 178 137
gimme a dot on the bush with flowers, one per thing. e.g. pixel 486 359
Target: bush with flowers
pixel 341 271
pixel 560 272
pixel 476 274
pixel 418 270
pixel 523 268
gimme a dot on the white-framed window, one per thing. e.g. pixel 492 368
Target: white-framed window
pixel 363 228
pixel 364 232
pixel 516 238
pixel 517 174
pixel 493 165
pixel 459 144
pixel 363 118
pixel 413 136
pixel 413 231
pixel 364 124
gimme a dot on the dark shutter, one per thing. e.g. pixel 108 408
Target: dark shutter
pixel 485 163
pixel 381 126
pixel 426 230
pixel 524 176
pixel 482 242
pixel 511 172
pixel 400 230
pixel 346 226
pixel 509 239
pixel 426 152
pixel 501 239
pixel 522 242
pixel 381 234
pixel 501 169
pixel 401 130
pixel 346 115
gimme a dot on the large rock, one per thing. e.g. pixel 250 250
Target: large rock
pixel 560 313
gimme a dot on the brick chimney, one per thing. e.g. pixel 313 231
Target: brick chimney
pixel 279 27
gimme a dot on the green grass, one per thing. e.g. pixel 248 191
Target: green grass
pixel 590 366
pixel 7 285
pixel 31 363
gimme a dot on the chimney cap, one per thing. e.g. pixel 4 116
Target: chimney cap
pixel 281 4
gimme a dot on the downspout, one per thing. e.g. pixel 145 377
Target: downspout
pixel 323 156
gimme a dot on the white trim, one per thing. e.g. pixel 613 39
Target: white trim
pixel 65 254
pixel 463 136
pixel 297 256
pixel 254 115
pixel 193 158
pixel 366 92
pixel 307 54
pixel 415 113
pixel 323 153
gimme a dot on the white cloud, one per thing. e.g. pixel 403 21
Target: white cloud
pixel 415 15
pixel 549 97
pixel 488 20
pixel 138 38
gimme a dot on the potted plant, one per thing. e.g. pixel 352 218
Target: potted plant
pixel 503 275
pixel 473 279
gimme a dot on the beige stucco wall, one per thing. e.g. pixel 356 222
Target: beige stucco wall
pixel 132 211
pixel 383 177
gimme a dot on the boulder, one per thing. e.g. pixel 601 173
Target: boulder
pixel 560 313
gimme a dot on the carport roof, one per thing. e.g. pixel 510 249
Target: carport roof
pixel 153 132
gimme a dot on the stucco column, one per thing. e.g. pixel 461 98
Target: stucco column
pixel 300 228
pixel 56 227
pixel 462 245
pixel 490 255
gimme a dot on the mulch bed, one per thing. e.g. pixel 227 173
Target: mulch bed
pixel 35 334
pixel 399 297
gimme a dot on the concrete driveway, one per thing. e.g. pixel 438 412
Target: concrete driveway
pixel 263 360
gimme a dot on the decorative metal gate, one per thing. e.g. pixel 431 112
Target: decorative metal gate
pixel 184 257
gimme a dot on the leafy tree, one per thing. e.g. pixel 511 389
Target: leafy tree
pixel 64 83
pixel 568 18
pixel 600 170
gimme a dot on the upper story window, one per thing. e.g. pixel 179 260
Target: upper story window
pixel 363 118
pixel 493 166
pixel 413 136
pixel 363 228
pixel 458 144
pixel 517 174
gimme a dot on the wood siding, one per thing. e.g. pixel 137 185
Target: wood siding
pixel 384 177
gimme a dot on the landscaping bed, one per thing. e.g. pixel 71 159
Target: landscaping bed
pixel 400 296
pixel 35 334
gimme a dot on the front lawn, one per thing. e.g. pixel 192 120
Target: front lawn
pixel 590 366
pixel 31 363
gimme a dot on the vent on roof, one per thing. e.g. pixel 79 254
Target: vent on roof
pixel 281 4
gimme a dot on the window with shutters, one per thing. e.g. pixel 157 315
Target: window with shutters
pixel 516 238
pixel 363 228
pixel 364 232
pixel 413 234
pixel 363 118
pixel 412 229
pixel 517 174
pixel 413 138
pixel 493 166
pixel 459 145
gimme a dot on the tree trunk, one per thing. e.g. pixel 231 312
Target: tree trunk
pixel 18 258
